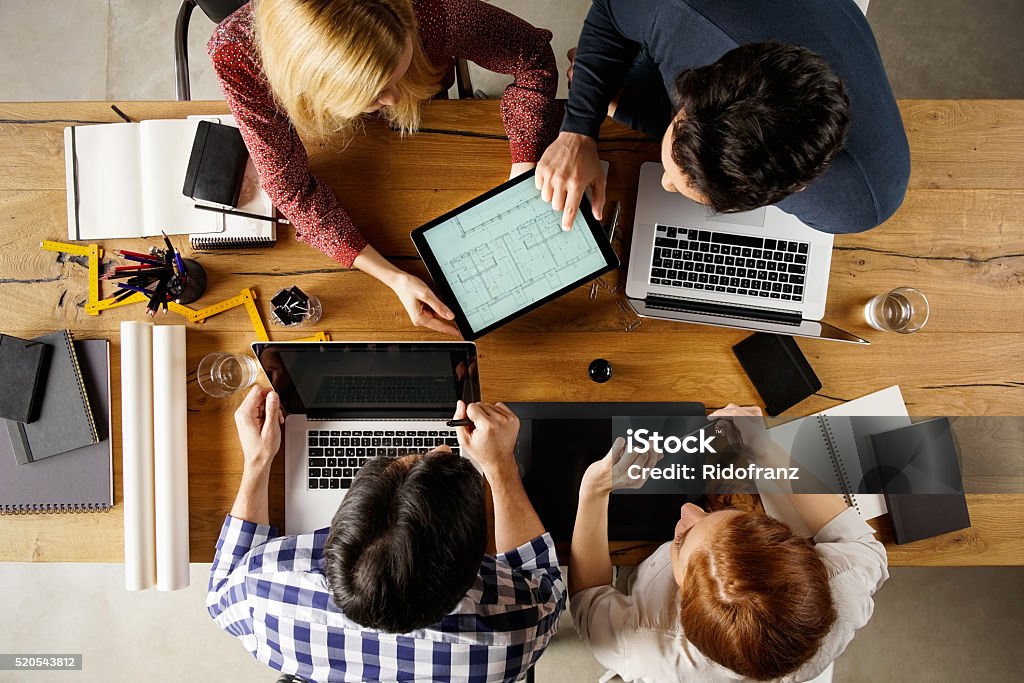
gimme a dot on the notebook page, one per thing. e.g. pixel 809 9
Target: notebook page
pixel 109 181
pixel 165 147
pixel 252 199
pixel 891 412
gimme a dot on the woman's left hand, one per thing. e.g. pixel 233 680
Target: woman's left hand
pixel 521 168
pixel 423 306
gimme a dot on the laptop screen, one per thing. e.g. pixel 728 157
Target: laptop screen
pixel 361 380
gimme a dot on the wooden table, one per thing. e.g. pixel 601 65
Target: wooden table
pixel 959 238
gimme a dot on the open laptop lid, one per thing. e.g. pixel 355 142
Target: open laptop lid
pixel 741 318
pixel 347 380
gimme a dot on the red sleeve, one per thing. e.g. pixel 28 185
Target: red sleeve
pixel 502 42
pixel 280 158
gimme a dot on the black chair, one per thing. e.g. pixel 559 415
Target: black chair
pixel 219 10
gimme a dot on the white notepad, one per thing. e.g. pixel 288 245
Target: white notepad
pixel 125 180
pixel 840 448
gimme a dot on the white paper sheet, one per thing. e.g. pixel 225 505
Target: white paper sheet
pixel 170 457
pixel 137 454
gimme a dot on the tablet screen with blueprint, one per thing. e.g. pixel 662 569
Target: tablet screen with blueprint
pixel 505 253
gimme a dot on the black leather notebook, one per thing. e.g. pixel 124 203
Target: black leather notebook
pixel 778 370
pixel 23 367
pixel 217 164
pixel 919 474
pixel 65 416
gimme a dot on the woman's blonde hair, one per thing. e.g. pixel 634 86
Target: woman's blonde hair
pixel 328 60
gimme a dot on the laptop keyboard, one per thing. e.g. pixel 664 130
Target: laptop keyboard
pixel 724 262
pixel 385 389
pixel 336 455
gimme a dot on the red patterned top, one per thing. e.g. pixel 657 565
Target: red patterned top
pixel 448 29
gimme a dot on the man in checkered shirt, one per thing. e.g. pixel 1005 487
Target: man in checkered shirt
pixel 405 584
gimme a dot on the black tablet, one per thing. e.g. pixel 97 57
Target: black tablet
pixel 505 253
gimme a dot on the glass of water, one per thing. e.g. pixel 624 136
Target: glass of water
pixel 903 310
pixel 222 374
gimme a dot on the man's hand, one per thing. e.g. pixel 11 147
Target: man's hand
pixel 422 305
pixel 570 166
pixel 491 440
pixel 612 471
pixel 259 421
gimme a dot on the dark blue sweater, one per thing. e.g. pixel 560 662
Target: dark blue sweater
pixel 866 182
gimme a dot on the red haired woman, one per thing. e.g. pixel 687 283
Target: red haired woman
pixel 736 596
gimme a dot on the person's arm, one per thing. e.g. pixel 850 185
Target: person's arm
pixel 258 421
pixel 503 43
pixel 746 430
pixel 490 441
pixel 590 561
pixel 311 206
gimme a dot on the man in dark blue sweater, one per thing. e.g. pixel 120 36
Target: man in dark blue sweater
pixel 763 102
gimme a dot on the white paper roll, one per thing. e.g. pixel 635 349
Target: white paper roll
pixel 137 454
pixel 170 457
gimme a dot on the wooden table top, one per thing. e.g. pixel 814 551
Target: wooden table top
pixel 959 237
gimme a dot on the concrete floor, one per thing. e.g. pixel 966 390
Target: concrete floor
pixel 929 624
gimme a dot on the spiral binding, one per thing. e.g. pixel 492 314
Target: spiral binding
pixel 53 508
pixel 204 243
pixel 69 340
pixel 837 462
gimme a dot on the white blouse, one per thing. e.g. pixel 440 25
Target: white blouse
pixel 639 637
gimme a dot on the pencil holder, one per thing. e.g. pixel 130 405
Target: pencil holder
pixel 194 285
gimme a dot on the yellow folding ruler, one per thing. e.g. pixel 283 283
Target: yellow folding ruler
pixel 319 336
pixel 95 307
pixel 248 299
pixel 94 253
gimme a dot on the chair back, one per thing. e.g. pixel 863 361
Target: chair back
pixel 219 10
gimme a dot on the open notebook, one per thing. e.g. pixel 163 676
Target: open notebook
pixel 124 180
pixel 842 448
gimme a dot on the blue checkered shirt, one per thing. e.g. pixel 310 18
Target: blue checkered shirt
pixel 271 593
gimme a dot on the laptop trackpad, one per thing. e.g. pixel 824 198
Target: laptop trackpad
pixel 754 219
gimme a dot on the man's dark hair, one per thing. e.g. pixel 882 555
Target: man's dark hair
pixel 407 541
pixel 758 124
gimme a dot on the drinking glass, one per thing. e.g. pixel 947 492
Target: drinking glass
pixel 903 310
pixel 222 374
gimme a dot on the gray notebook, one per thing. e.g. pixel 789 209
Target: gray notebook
pixel 77 481
pixel 65 420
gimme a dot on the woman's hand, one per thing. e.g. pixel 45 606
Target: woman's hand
pixel 745 429
pixel 612 472
pixel 520 168
pixel 423 306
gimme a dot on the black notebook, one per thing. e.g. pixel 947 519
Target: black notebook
pixel 23 366
pixel 919 473
pixel 77 481
pixel 217 164
pixel 65 417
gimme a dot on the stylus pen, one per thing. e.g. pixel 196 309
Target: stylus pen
pixel 459 423
pixel 243 214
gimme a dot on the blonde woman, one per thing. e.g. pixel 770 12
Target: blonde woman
pixel 315 67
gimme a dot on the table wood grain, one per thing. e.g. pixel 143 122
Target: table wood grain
pixel 959 237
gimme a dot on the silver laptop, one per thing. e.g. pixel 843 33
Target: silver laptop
pixel 348 402
pixel 759 270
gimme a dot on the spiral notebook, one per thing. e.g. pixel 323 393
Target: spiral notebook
pixel 843 448
pixel 65 419
pixel 77 481
pixel 241 232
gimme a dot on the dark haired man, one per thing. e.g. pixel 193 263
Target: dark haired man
pixel 757 102
pixel 401 586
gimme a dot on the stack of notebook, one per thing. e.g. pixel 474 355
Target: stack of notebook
pixel 59 458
